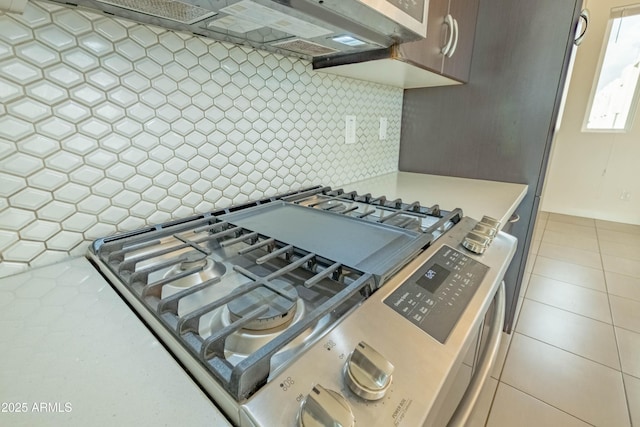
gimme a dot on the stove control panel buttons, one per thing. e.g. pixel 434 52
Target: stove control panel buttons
pixel 367 372
pixel 437 294
pixel 325 408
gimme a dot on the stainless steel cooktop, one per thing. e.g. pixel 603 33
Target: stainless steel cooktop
pixel 240 294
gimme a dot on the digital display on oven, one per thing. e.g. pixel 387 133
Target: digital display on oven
pixel 436 295
pixel 433 278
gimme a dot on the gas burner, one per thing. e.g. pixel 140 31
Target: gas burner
pixel 331 205
pixel 406 222
pixel 245 342
pixel 207 269
pixel 280 299
pixel 192 259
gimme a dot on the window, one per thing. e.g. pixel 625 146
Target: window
pixel 614 99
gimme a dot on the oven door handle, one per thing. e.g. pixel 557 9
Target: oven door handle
pixel 488 358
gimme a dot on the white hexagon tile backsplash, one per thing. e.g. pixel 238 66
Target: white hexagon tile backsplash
pixel 107 125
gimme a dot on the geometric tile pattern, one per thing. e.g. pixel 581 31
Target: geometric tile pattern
pixel 107 125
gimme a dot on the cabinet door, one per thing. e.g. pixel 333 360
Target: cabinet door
pixel 428 52
pixel 465 12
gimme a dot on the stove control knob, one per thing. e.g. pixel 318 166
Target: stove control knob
pixel 368 373
pixel 490 222
pixel 485 230
pixel 325 408
pixel 475 242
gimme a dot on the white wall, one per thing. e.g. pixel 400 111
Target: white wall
pixel 107 125
pixel 589 171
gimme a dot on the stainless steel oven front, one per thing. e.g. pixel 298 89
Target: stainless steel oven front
pixel 409 355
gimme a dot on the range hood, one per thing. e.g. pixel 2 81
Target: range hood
pixel 303 28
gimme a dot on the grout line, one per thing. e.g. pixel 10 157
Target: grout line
pixel 544 229
pixel 572 229
pixel 624 297
pixel 607 291
pixel 624 385
pixel 569 283
pixel 627 329
pixel 515 331
pixel 493 400
pixel 628 374
pixel 567 246
pixel 533 266
pixel 570 261
pixel 506 354
pixel 635 231
pixel 571 352
pixel 544 402
pixel 574 263
pixel 569 311
pixel 565 282
pixel 615 335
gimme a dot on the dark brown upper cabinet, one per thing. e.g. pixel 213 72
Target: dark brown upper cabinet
pixel 443 58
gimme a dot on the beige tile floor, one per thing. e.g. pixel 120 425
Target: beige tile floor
pixel 574 357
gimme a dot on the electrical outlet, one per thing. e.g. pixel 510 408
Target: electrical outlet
pixel 350 130
pixel 625 195
pixel 383 128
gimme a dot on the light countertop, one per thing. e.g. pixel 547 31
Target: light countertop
pixel 475 197
pixel 74 354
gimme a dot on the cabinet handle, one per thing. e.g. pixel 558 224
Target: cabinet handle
pixel 448 21
pixel 584 15
pixel 455 39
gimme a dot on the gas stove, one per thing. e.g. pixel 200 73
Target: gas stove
pixel 241 296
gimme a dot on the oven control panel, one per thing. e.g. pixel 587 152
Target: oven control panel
pixel 435 296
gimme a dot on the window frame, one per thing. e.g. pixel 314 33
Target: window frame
pixel 616 12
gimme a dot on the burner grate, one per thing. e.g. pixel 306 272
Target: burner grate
pixel 187 248
pixel 242 379
pixel 396 209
